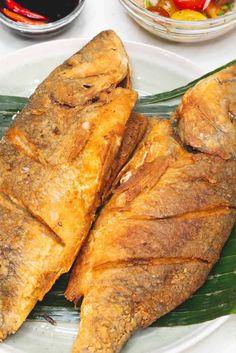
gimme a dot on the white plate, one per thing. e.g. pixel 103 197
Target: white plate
pixel 154 70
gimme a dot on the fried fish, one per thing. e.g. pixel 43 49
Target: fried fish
pixel 56 162
pixel 172 209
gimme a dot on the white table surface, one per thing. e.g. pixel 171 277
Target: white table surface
pixel 109 14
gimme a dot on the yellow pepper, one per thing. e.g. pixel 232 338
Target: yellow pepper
pixel 188 15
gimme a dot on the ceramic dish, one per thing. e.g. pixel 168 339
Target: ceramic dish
pixel 154 70
pixel 45 30
pixel 180 31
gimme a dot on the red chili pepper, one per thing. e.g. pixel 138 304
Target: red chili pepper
pixel 197 5
pixel 19 18
pixel 12 5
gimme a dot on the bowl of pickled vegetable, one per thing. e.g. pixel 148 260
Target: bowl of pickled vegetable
pixel 184 20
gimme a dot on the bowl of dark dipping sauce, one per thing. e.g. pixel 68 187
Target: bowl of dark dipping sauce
pixel 38 18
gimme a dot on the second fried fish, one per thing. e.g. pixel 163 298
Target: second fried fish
pixel 172 210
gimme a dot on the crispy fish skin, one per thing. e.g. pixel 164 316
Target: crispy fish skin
pixel 135 130
pixel 83 81
pixel 55 162
pixel 206 117
pixel 26 271
pixel 57 194
pixel 160 234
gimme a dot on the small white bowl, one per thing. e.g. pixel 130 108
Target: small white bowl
pixel 44 30
pixel 180 31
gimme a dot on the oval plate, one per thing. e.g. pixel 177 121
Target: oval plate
pixel 154 70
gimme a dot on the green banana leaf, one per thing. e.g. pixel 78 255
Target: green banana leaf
pixel 218 295
pixel 177 92
pixel 9 107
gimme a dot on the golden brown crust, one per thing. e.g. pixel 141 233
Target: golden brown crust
pixel 54 163
pixel 23 178
pixel 135 130
pixel 127 298
pixel 23 264
pixel 157 238
pixel 206 117
pixel 83 81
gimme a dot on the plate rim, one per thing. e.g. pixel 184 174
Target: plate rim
pixel 212 325
pixel 84 40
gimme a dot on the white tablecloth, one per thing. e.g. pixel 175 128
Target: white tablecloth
pixel 109 14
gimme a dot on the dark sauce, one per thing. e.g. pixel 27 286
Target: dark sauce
pixel 52 9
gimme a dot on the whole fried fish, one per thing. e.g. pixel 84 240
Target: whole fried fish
pixel 56 162
pixel 172 209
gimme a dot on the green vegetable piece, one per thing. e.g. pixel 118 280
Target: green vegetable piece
pixel 147 3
